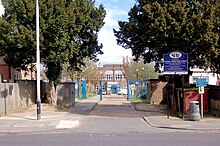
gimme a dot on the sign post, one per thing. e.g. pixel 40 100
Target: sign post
pixel 100 89
pixel 176 63
pixel 201 83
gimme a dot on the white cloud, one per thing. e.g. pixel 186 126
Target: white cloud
pixel 109 22
pixel 1 8
pixel 113 53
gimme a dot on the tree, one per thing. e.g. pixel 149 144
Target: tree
pixel 136 70
pixel 68 33
pixel 158 27
pixel 88 71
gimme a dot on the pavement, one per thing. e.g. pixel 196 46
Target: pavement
pixel 157 117
pixel 51 118
pixel 56 119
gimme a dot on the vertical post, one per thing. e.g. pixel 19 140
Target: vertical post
pixel 100 90
pixel 137 73
pixel 183 95
pixel 84 89
pixel 128 90
pixel 201 104
pixel 145 82
pixel 77 80
pixel 113 73
pixel 5 99
pixel 38 63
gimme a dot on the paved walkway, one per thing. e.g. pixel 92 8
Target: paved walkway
pixel 156 116
pixel 52 119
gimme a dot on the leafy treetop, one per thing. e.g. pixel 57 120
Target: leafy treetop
pixel 158 27
pixel 68 33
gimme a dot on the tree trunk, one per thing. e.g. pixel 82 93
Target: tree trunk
pixel 52 94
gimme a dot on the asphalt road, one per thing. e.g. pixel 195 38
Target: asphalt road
pixel 113 139
pixel 113 123
pixel 114 115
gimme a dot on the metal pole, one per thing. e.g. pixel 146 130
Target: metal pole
pixel 145 82
pixel 202 106
pixel 183 95
pixel 113 73
pixel 128 90
pixel 38 63
pixel 78 87
pixel 84 89
pixel 100 90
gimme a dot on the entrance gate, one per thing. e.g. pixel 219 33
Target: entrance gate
pixel 114 89
pixel 136 89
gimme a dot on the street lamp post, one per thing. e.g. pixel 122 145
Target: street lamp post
pixel 38 63
pixel 137 73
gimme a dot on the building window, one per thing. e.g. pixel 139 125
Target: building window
pixel 118 77
pixel 16 77
pixel 1 78
pixel 109 77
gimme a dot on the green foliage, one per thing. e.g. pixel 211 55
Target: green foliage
pixel 158 27
pixel 137 70
pixel 88 71
pixel 68 33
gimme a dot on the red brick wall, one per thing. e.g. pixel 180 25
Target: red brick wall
pixel 111 67
pixel 4 70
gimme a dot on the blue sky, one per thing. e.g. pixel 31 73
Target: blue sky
pixel 116 10
pixel 1 8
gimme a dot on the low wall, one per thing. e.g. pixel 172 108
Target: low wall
pixel 66 95
pixel 16 96
pixel 22 94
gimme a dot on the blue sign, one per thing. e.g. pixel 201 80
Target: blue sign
pixel 175 63
pixel 201 82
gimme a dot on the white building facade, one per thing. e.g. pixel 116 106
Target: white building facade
pixel 211 78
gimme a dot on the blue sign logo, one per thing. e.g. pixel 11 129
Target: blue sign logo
pixel 175 63
pixel 176 55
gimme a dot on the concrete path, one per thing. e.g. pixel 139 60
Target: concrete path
pixel 114 114
pixel 52 119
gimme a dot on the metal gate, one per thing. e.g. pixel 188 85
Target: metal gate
pixel 136 89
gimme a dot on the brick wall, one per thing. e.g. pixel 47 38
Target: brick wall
pixel 4 71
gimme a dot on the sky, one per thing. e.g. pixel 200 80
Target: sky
pixel 1 8
pixel 116 10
